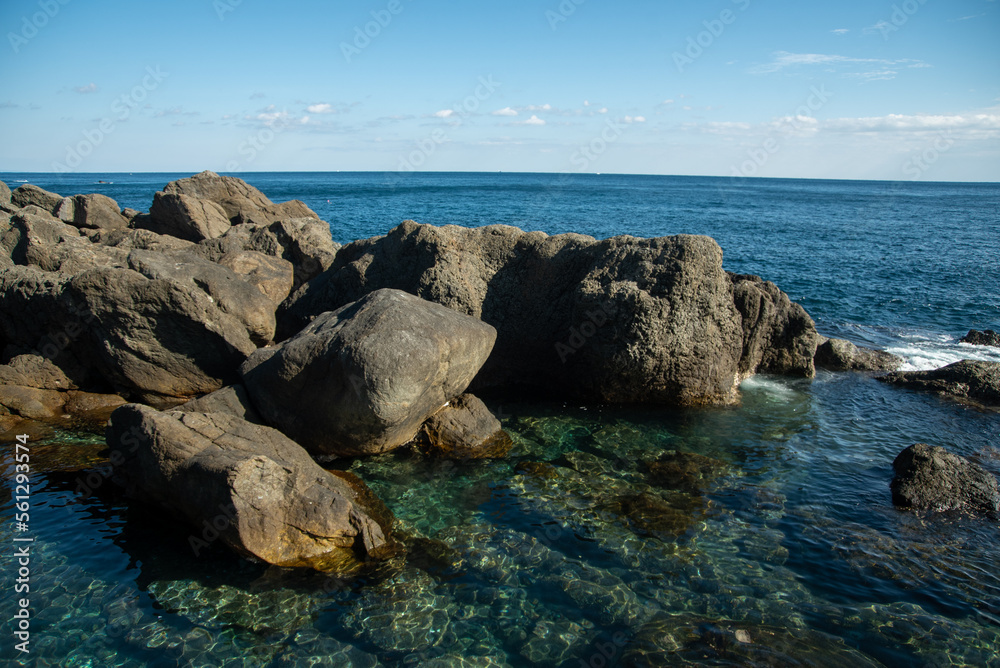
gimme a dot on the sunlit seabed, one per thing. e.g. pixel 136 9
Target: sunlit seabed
pixel 779 532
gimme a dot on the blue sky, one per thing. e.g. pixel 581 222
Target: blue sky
pixel 898 90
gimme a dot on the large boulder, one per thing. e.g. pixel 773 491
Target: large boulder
pixel 251 486
pixel 186 217
pixel 36 238
pixel 970 380
pixel 779 337
pixel 97 211
pixel 272 276
pixel 232 400
pixel 5 204
pixel 842 355
pixel 228 291
pixel 985 338
pixel 156 337
pixel 241 202
pixel 620 320
pixel 28 195
pixel 931 478
pixel 362 379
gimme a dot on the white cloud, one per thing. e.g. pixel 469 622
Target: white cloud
pixel 534 120
pixel 602 110
pixel 975 123
pixel 444 113
pixel 635 119
pixel 89 88
pixel 506 111
pixel 840 31
pixel 544 107
pixel 866 68
pixel 322 108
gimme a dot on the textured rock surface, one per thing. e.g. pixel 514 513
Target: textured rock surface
pixel 259 491
pixel 98 212
pixel 464 429
pixel 28 194
pixel 362 379
pixel 4 196
pixel 984 338
pixel 231 400
pixel 272 276
pixel 621 320
pixel 186 217
pixel 969 379
pixel 842 355
pixel 241 202
pixel 931 478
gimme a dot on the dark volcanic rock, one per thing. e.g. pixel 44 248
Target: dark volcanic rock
pixel 984 338
pixel 842 355
pixel 779 337
pixel 931 478
pixel 969 379
pixel 28 195
pixel 186 217
pixel 364 378
pixel 253 487
pixel 464 429
pixel 620 320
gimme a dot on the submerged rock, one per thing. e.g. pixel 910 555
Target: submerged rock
pixel 969 379
pixel 364 378
pixel 684 471
pixel 931 478
pixel 984 338
pixel 842 355
pixel 619 320
pixel 464 429
pixel 250 485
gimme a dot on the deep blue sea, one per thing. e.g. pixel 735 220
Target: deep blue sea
pixel 783 548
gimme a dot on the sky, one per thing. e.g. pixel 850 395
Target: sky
pixel 872 89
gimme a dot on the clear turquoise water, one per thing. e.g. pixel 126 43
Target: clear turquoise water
pixel 571 551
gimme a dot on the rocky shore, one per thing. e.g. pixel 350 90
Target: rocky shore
pixel 230 341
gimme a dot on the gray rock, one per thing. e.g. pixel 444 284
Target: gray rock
pixel 931 478
pixel 464 429
pixel 28 194
pixel 186 217
pixel 31 403
pixel 620 320
pixel 98 211
pixel 247 484
pixel 231 400
pixel 984 338
pixel 35 371
pixel 50 244
pixel 304 242
pixel 362 379
pixel 231 294
pixel 241 202
pixel 970 380
pixel 842 355
pixel 4 196
pixel 779 337
pixel 66 211
pixel 141 240
pixel 272 276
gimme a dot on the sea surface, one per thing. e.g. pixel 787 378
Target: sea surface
pixel 773 542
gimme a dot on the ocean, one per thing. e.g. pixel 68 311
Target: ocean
pixel 782 544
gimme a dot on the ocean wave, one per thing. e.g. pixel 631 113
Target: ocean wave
pixel 923 352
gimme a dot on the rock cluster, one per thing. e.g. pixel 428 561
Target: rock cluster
pixel 984 338
pixel 262 341
pixel 620 320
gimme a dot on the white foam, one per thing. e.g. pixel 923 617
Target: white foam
pixel 774 387
pixel 923 352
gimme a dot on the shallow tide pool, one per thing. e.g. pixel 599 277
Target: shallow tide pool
pixel 761 534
